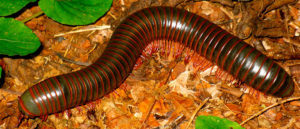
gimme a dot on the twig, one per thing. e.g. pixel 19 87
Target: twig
pixel 92 49
pixel 72 61
pixel 84 30
pixel 274 105
pixel 113 16
pixel 230 90
pixel 195 112
pixel 66 52
pixel 33 16
pixel 148 114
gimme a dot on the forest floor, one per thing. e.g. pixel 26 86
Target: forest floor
pixel 163 91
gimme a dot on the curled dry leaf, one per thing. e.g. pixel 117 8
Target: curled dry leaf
pixel 179 85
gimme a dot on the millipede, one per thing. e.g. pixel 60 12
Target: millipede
pixel 128 41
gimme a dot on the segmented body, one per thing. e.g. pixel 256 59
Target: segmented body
pixel 127 43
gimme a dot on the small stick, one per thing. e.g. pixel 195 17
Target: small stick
pixel 195 112
pixel 84 30
pixel 72 61
pixel 148 114
pixel 92 49
pixel 265 109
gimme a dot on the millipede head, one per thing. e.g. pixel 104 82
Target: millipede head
pixel 27 106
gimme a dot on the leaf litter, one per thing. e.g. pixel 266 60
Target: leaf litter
pixel 163 91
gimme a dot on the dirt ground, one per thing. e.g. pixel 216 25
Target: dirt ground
pixel 163 91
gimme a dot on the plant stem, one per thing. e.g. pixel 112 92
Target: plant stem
pixel 267 108
pixel 196 111
pixel 33 16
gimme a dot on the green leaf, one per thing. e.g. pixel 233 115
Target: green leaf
pixel 75 12
pixel 8 7
pixel 16 38
pixel 213 122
